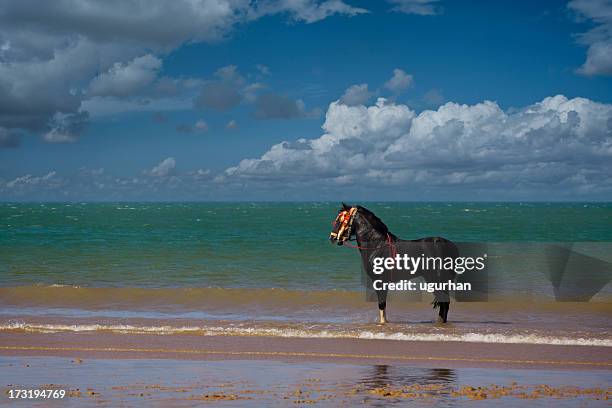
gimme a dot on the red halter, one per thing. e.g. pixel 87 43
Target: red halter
pixel 344 232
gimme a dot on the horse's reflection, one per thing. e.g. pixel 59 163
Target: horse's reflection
pixel 383 375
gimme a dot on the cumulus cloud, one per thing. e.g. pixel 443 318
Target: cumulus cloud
pixel 218 96
pixel 230 74
pixel 200 126
pixel 148 24
pixel 66 128
pixel 126 79
pixel 420 7
pixel 598 39
pixel 164 169
pixel 555 143
pixel 399 82
pixel 263 69
pixel 433 97
pixel 33 91
pixel 305 10
pixel 200 174
pixel 275 106
pixel 356 95
pixel 228 89
pixel 251 91
pixel 231 125
pixel 68 56
pixel 33 187
pixel 29 180
pixel 223 93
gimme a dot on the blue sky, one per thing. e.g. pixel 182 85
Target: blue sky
pixel 226 99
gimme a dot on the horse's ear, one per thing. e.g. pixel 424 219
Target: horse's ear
pixel 346 207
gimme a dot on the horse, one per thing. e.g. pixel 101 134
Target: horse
pixel 374 240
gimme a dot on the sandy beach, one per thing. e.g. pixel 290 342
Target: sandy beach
pixel 105 369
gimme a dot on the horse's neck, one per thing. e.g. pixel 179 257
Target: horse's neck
pixel 367 236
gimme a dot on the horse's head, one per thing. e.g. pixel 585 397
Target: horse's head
pixel 342 226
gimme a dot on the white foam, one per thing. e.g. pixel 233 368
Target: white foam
pixel 310 333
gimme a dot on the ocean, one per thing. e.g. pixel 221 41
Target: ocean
pixel 268 269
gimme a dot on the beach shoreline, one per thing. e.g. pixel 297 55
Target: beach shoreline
pixel 187 371
pixel 418 353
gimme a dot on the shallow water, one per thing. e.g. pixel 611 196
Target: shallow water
pixel 270 268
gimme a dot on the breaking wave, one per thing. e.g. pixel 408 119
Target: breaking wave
pixel 301 332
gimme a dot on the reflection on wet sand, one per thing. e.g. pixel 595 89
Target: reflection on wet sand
pixel 184 383
pixel 383 375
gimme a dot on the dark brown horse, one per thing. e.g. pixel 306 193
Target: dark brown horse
pixel 374 240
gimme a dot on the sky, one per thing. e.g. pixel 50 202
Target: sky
pixel 415 100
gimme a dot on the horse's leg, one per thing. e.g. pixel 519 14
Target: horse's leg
pixel 446 308
pixel 442 301
pixel 382 305
pixel 443 312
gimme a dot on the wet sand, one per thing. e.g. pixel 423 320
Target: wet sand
pixel 109 369
pixel 193 347
pixel 115 382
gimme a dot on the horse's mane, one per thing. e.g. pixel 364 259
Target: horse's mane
pixel 376 222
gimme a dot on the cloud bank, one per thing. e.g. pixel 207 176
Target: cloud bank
pixel 557 145
pixel 599 38
pixel 419 7
pixel 65 58
pixel 555 149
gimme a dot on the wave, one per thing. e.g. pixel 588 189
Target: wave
pixel 300 332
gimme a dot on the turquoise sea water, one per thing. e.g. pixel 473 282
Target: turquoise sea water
pixel 283 245
pixel 268 269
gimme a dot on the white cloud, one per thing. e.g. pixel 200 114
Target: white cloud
pixel 420 7
pixel 249 92
pixel 33 91
pixel 399 82
pixel 356 95
pixel 201 174
pixel 199 127
pixel 433 97
pixel 66 128
pixel 230 74
pixel 305 10
pixel 545 145
pixel 126 79
pixel 29 180
pixel 51 51
pixel 231 125
pixel 164 169
pixel 263 69
pixel 599 38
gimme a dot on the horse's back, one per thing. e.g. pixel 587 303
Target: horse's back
pixel 431 239
pixel 437 245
